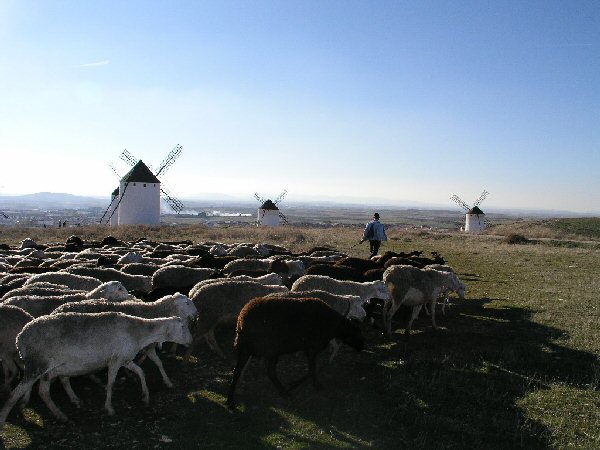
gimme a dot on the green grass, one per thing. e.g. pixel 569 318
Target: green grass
pixel 587 227
pixel 515 365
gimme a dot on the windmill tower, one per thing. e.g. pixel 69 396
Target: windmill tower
pixel 474 218
pixel 268 212
pixel 137 199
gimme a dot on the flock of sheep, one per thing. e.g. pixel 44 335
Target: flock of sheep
pixel 76 308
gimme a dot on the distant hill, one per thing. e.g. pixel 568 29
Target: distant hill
pixel 50 200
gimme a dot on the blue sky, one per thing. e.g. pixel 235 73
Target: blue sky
pixel 339 100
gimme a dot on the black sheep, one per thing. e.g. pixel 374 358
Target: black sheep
pixel 339 272
pixel 271 327
pixel 396 261
pixel 374 274
pixel 358 263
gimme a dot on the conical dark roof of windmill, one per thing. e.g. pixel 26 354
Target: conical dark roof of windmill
pixel 269 205
pixel 140 174
pixel 475 210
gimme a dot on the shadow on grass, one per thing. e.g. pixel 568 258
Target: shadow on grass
pixel 455 388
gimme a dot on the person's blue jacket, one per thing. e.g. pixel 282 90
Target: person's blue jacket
pixel 374 231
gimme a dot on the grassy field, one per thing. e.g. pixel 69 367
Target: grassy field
pixel 515 365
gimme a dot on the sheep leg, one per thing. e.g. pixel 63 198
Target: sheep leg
pixel 140 373
pixel 44 391
pixel 66 383
pixel 110 380
pixel 238 372
pixel 394 307
pixel 152 356
pixel 426 309
pixel 311 356
pixel 10 371
pixel 22 389
pixel 334 346
pixel 212 343
pixel 433 305
pixel 272 373
pixel 188 351
pixel 193 345
pixel 7 377
pixel 445 303
pixel 413 316
pixel 96 380
pixel 312 369
pixel 384 317
pixel 244 372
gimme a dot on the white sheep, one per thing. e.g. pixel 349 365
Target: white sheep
pixel 180 277
pixel 77 282
pixel 268 279
pixel 131 282
pixel 40 288
pixel 414 287
pixel 168 306
pixel 70 344
pixel 38 306
pixel 446 300
pixel 12 321
pixel 366 291
pixel 221 302
pixel 253 265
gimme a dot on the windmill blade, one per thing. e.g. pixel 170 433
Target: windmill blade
pixel 169 159
pixel 4 215
pixel 281 196
pixel 282 216
pixel 481 198
pixel 175 204
pixel 128 158
pixel 115 170
pixel 259 198
pixel 121 196
pixel 455 198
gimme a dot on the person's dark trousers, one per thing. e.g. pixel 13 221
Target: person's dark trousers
pixel 374 246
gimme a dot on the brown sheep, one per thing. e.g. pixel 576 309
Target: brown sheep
pixel 271 327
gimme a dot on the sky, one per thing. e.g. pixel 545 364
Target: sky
pixel 363 101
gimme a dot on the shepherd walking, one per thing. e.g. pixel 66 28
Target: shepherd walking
pixel 374 233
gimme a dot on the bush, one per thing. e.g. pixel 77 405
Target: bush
pixel 516 239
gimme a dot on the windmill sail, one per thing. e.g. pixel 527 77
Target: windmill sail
pixel 481 198
pixel 456 199
pixel 281 196
pixel 175 204
pixel 169 160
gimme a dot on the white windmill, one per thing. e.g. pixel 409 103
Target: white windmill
pixel 137 199
pixel 475 221
pixel 268 212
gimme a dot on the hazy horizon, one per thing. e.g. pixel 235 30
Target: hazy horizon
pixel 367 203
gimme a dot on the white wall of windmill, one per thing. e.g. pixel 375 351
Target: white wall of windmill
pixel 140 203
pixel 114 215
pixel 268 218
pixel 474 223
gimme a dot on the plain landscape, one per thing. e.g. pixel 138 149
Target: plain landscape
pixel 515 364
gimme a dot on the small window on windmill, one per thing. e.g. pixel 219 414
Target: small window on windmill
pixel 134 184
pixel 144 184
